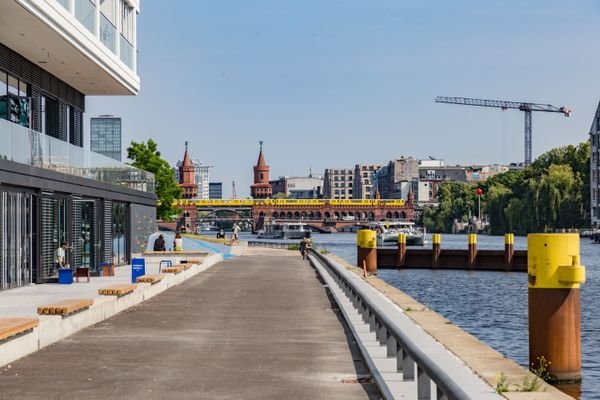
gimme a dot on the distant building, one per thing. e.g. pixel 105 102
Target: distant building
pixel 105 136
pixel 595 169
pixel 338 183
pixel 215 190
pixel 395 180
pixel 363 180
pixel 299 187
pixel 201 177
pixel 261 188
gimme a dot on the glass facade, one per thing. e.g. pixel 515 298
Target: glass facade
pixel 64 3
pixel 120 233
pixel 105 136
pixel 16 264
pixel 85 12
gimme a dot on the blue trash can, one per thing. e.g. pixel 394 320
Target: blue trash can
pixel 65 276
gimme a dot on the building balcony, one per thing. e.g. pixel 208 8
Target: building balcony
pixel 88 45
pixel 26 146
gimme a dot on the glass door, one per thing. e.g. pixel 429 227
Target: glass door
pixel 87 235
pixel 16 243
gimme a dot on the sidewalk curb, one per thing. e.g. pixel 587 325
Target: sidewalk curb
pixel 53 328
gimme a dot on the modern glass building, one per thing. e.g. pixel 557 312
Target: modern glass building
pixel 105 136
pixel 53 53
pixel 215 190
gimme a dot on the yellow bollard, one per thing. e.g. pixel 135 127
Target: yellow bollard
pixel 367 249
pixel 554 276
pixel 472 250
pixel 436 240
pixel 401 253
pixel 509 250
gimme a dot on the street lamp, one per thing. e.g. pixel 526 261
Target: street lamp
pixel 479 193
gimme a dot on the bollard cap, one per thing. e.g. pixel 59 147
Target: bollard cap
pixel 402 238
pixel 509 238
pixel 369 239
pixel 472 238
pixel 436 238
pixel 553 261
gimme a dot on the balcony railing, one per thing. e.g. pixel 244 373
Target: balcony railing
pixel 26 146
pixel 126 52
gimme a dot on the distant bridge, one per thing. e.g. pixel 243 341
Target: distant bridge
pixel 323 214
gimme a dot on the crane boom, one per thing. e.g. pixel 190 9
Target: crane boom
pixel 517 105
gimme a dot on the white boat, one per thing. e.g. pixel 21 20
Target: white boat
pixel 285 230
pixel 388 231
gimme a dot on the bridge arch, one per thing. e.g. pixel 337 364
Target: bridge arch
pixel 231 211
pixel 327 215
pixel 303 215
pixel 403 215
pixel 396 215
pixel 289 215
pixel 311 215
pixel 371 216
pixel 275 214
pixel 318 215
pixel 296 215
pixel 388 215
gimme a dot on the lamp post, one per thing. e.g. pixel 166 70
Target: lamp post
pixel 479 193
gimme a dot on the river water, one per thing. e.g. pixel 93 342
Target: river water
pixel 493 305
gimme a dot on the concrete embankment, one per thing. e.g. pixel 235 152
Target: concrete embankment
pixel 495 369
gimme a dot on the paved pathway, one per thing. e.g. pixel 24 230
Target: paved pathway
pixel 257 327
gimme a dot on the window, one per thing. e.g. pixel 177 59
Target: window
pixel 3 95
pixel 108 22
pixel 85 12
pixel 64 3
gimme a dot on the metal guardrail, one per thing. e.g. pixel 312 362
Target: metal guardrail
pixel 270 245
pixel 398 343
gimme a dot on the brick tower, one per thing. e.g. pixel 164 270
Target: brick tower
pixel 261 189
pixel 187 178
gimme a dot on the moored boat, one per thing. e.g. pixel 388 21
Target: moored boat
pixel 388 231
pixel 285 230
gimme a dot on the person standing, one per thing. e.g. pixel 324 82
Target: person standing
pixel 61 255
pixel 236 230
pixel 178 242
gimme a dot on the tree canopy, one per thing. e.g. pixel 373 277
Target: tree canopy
pixel 147 157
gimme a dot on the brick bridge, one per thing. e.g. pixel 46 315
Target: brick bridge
pixel 324 215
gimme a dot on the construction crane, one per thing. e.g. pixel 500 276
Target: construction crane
pixel 527 108
pixel 233 192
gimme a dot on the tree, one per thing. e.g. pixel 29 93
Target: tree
pixel 147 157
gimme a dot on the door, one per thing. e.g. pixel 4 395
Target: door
pixel 16 243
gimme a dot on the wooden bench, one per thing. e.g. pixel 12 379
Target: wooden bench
pixel 155 278
pixel 65 307
pixel 173 270
pixel 117 290
pixel 10 327
pixel 192 261
pixel 185 266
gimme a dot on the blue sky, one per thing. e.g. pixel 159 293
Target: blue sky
pixel 332 83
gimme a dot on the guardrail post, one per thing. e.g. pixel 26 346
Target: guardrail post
pixel 436 240
pixel 401 254
pixel 554 277
pixel 366 250
pixel 472 252
pixel 391 346
pixel 408 367
pixel 509 250
pixel 423 385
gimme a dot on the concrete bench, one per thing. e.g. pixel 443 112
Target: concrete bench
pixel 10 327
pixel 173 270
pixel 65 307
pixel 155 278
pixel 117 290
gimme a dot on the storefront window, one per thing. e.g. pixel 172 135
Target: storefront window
pixel 119 233
pixel 3 95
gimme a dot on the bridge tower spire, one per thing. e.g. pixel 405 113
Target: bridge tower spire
pixel 261 188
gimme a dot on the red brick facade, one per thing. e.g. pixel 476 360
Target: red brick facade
pixel 261 189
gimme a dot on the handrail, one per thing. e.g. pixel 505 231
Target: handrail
pixel 378 317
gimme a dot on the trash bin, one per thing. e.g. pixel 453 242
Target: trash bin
pixel 65 276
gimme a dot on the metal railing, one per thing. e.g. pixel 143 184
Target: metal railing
pixel 399 345
pixel 270 245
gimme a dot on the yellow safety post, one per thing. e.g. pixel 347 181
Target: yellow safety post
pixel 436 240
pixel 509 250
pixel 401 254
pixel 472 250
pixel 367 249
pixel 554 276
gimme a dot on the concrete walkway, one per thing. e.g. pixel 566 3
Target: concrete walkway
pixel 256 327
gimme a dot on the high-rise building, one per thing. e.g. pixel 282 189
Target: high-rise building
pixel 105 136
pixel 261 188
pixel 363 180
pixel 54 53
pixel 299 187
pixel 338 183
pixel 215 190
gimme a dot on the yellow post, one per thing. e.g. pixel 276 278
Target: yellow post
pixel 436 240
pixel 367 249
pixel 472 250
pixel 509 250
pixel 401 254
pixel 554 276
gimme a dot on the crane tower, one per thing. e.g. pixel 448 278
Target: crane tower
pixel 527 108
